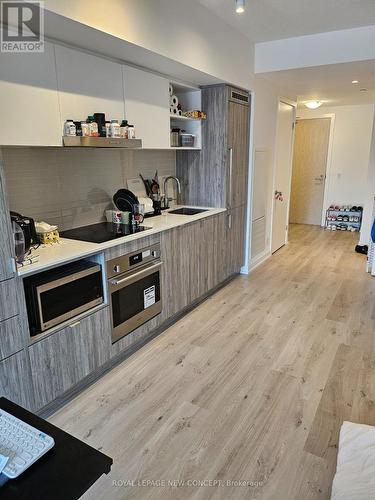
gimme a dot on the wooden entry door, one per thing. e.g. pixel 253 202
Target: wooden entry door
pixel 309 170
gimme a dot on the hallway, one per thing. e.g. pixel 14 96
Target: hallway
pixel 251 386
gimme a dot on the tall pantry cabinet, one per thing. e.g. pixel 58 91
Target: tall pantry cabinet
pixel 217 175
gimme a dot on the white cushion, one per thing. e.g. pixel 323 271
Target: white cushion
pixel 355 472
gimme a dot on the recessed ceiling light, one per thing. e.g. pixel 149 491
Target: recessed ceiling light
pixel 363 90
pixel 240 6
pixel 355 82
pixel 313 104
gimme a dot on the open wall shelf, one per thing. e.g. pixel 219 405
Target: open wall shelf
pixel 189 98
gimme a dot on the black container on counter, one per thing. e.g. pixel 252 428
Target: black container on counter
pixel 100 120
pixel 78 128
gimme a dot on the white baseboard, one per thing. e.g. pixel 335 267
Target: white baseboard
pixel 259 259
pixel 245 270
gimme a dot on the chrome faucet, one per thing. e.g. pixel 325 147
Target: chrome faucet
pixel 167 199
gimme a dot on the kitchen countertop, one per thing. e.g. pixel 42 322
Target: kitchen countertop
pixel 67 250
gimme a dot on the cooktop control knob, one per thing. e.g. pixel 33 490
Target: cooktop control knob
pixel 116 269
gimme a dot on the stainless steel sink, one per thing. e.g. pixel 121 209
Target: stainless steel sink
pixel 187 211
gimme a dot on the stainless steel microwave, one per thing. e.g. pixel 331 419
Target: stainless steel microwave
pixel 58 295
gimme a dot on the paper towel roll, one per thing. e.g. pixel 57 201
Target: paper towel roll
pixel 147 202
pixel 174 110
pixel 170 89
pixel 175 100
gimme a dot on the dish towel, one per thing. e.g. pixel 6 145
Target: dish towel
pixel 355 471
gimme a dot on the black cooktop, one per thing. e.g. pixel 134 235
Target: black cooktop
pixel 99 233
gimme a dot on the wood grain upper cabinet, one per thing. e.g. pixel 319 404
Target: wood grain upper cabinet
pixel 88 84
pixel 238 150
pixel 217 175
pixel 29 106
pixel 147 106
pixel 6 236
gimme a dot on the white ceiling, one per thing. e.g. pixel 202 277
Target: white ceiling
pixel 265 20
pixel 330 84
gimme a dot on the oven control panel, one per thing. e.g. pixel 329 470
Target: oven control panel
pixel 132 260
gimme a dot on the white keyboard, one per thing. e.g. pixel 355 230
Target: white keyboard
pixel 22 443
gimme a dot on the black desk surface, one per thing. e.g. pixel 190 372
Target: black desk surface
pixel 63 473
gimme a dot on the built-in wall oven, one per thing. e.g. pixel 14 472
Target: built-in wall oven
pixel 134 289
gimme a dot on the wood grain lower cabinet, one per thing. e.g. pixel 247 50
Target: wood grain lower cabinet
pixel 62 359
pixel 200 237
pixel 194 259
pixel 235 236
pixel 6 234
pixel 9 298
pixel 11 337
pixel 15 379
pixel 175 282
pixel 217 268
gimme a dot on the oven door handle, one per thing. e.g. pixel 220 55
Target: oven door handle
pixel 134 275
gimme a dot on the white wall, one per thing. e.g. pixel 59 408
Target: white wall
pixel 357 44
pixel 369 195
pixel 265 121
pixel 348 171
pixel 183 31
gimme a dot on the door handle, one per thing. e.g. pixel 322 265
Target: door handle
pixel 279 196
pixel 320 178
pixel 229 201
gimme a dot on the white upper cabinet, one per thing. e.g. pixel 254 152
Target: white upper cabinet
pixel 88 84
pixel 29 106
pixel 147 106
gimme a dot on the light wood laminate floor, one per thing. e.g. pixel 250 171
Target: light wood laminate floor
pixel 253 385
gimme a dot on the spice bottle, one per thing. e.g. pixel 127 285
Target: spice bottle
pixel 124 129
pixel 93 126
pixel 69 128
pixel 85 127
pixel 78 128
pixel 131 132
pixel 115 129
pixel 108 128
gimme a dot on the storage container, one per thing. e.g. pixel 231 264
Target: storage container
pixel 187 140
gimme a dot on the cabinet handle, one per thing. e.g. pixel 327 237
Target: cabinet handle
pixel 229 221
pixel 229 201
pixel 73 325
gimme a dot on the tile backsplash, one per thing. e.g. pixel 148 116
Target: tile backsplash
pixel 74 187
